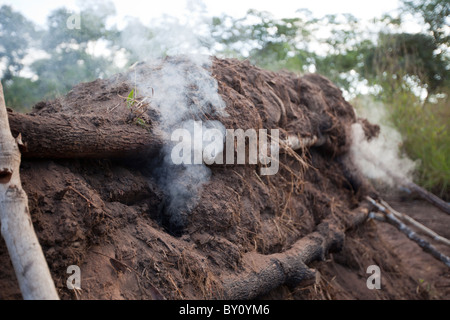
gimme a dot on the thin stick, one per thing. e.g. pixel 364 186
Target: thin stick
pixel 296 143
pixel 425 245
pixel 424 194
pixel 417 224
pixel 90 203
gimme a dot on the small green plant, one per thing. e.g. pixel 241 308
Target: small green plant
pixel 137 107
pixel 131 99
pixel 141 122
pixel 425 286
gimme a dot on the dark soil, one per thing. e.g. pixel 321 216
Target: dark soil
pixel 109 216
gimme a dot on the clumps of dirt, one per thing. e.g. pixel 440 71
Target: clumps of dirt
pixel 108 216
pixel 306 106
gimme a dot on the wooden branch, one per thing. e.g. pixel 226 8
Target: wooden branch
pixel 82 136
pixel 428 196
pixel 415 223
pixel 29 263
pixel 290 267
pixel 58 136
pixel 297 143
pixel 425 245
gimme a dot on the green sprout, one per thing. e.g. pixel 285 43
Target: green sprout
pixel 131 99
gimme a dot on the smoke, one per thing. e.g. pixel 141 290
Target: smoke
pixel 183 183
pixel 372 156
pixel 170 36
pixel 180 88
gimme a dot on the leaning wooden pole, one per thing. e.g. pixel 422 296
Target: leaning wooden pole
pixel 425 245
pixel 28 260
pixel 415 223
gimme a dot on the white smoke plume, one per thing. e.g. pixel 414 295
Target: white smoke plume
pixel 371 157
pixel 181 88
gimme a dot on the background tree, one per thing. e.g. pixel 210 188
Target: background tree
pixel 268 42
pixel 69 56
pixel 16 34
pixel 435 14
pixel 407 58
pixel 71 53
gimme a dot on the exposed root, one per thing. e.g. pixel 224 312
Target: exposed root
pixel 290 267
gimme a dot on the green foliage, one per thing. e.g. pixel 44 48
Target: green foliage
pixel 68 60
pixel 16 35
pixel 21 93
pixel 435 13
pixel 141 122
pixel 268 42
pixel 92 28
pixel 276 44
pixel 58 74
pixel 131 99
pixel 404 54
pixel 425 130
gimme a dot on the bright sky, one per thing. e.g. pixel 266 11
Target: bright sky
pixel 146 10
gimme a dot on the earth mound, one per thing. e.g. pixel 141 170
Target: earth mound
pixel 141 229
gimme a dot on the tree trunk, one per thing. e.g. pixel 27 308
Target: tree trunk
pixel 82 136
pixel 63 136
pixel 23 246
